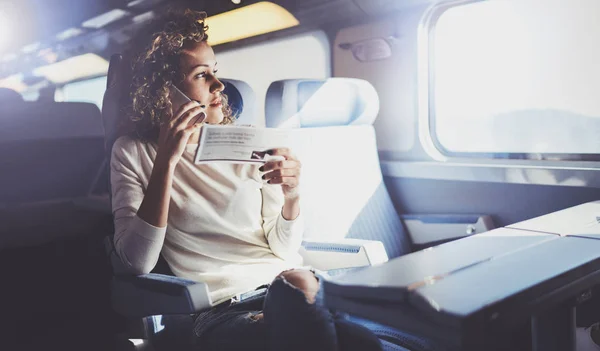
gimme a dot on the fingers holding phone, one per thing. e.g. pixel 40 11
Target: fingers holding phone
pixel 179 103
pixel 188 115
pixel 176 133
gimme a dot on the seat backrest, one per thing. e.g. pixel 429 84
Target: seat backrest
pixel 50 121
pixel 9 96
pixel 343 194
pixel 113 114
pixel 49 151
pixel 242 100
pixel 115 125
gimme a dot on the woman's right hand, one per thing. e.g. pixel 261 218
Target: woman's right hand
pixel 175 134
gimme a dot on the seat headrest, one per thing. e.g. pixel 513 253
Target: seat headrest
pixel 113 119
pixel 8 95
pixel 318 103
pixel 50 120
pixel 241 99
pixel 115 67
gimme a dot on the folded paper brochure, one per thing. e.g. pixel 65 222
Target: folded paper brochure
pixel 240 144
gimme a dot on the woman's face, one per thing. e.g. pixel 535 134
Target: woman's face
pixel 198 63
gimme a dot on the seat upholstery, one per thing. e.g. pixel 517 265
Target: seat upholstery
pixel 113 103
pixel 116 124
pixel 49 150
pixel 28 121
pixel 241 100
pixel 52 263
pixel 343 194
pixel 9 96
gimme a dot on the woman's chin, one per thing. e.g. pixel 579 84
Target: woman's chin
pixel 214 118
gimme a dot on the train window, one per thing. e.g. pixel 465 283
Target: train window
pixel 516 77
pixel 89 90
pixel 303 56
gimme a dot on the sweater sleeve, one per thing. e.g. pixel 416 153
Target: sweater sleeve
pixel 284 237
pixel 137 243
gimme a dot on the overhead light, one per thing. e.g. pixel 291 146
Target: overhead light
pixel 28 49
pixel 105 18
pixel 146 16
pixel 248 21
pixel 73 68
pixel 135 3
pixel 69 33
pixel 14 82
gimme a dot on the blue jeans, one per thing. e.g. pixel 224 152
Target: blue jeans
pixel 289 323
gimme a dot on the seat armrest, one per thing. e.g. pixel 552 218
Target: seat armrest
pixel 157 294
pixel 342 253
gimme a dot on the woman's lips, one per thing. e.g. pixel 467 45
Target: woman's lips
pixel 216 103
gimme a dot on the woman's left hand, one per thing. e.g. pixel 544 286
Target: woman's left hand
pixel 286 172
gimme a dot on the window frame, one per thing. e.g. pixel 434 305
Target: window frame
pixel 426 82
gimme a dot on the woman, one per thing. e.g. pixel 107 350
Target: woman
pixel 236 227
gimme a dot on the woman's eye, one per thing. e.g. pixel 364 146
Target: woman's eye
pixel 215 71
pixel 200 75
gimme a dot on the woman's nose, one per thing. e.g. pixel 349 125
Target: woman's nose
pixel 217 86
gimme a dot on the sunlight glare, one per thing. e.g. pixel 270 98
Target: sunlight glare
pixel 5 31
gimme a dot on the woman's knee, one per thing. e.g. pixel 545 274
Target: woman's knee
pixel 302 280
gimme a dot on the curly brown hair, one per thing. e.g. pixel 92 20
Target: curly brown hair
pixel 155 68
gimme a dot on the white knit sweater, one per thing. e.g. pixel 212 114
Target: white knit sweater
pixel 225 226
